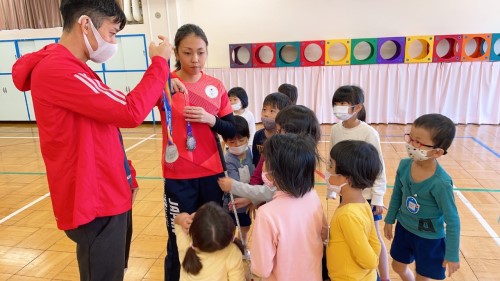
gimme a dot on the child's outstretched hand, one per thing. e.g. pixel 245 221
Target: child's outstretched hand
pixel 388 231
pixel 225 183
pixel 452 266
pixel 239 203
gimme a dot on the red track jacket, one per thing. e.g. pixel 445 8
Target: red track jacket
pixel 78 118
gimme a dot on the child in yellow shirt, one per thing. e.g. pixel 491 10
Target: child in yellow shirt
pixel 353 247
pixel 207 247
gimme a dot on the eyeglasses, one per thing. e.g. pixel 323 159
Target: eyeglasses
pixel 416 143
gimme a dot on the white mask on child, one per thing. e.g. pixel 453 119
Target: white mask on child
pixel 105 50
pixel 236 106
pixel 238 150
pixel 266 180
pixel 330 193
pixel 331 189
pixel 342 112
pixel 416 154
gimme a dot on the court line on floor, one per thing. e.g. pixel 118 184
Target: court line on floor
pixel 478 216
pixel 8 217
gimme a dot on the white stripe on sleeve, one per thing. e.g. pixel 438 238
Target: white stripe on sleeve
pixel 95 86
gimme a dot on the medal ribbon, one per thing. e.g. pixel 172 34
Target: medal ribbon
pixel 167 106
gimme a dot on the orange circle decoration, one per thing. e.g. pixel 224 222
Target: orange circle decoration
pixel 482 49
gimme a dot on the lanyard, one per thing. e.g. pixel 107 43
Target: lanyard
pixel 167 106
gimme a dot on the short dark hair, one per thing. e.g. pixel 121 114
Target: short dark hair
pixel 298 119
pixel 289 90
pixel 212 229
pixel 241 94
pixel 358 161
pixel 291 161
pixel 353 95
pixel 277 100
pixel 242 129
pixel 442 129
pixel 183 32
pixel 97 10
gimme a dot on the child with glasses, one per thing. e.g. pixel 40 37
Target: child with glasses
pixel 422 202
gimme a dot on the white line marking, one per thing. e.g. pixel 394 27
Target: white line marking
pixel 8 217
pixel 478 216
pixel 24 208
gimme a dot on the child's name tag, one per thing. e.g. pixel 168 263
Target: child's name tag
pixel 412 205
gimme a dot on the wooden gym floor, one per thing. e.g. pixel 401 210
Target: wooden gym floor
pixel 32 248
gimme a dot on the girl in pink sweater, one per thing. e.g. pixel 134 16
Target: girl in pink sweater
pixel 288 234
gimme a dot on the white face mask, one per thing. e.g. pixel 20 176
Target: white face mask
pixel 238 150
pixel 416 154
pixel 331 189
pixel 105 50
pixel 342 112
pixel 236 106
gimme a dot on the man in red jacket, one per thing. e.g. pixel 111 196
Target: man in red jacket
pixel 78 118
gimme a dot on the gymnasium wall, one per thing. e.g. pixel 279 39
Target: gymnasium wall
pixel 243 21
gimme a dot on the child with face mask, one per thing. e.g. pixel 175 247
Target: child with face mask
pixel 239 168
pixel 288 233
pixel 353 246
pixel 348 106
pixel 422 202
pixel 239 102
pixel 294 119
pixel 273 103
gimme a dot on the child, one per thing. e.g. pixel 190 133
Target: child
pixel 289 90
pixel 288 233
pixel 239 101
pixel 295 119
pixel 348 106
pixel 207 247
pixel 422 201
pixel 353 247
pixel 239 167
pixel 273 103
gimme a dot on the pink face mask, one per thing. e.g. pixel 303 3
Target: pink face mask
pixel 105 50
pixel 266 181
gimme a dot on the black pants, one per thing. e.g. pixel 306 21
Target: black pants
pixel 128 237
pixel 185 196
pixel 100 248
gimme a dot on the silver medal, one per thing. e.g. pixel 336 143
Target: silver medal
pixel 190 143
pixel 171 153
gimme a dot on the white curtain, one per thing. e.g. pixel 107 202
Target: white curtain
pixel 467 92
